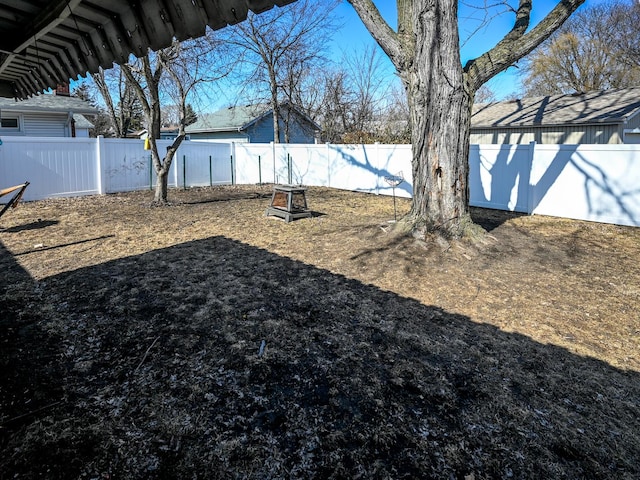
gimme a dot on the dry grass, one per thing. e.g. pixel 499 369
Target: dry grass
pixel 207 338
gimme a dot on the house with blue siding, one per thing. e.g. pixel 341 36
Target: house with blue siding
pixel 46 115
pixel 253 124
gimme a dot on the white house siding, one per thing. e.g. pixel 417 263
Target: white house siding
pixel 33 124
pixel 45 125
pixel 588 134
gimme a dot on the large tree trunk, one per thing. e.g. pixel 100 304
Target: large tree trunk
pixel 426 53
pixel 440 139
pixel 440 129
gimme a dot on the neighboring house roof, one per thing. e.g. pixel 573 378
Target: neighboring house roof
pixel 601 107
pixel 82 122
pixel 48 103
pixel 236 118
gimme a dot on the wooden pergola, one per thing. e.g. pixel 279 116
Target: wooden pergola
pixel 46 43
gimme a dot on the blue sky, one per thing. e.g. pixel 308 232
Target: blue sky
pixel 355 36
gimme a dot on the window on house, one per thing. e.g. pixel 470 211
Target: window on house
pixel 9 123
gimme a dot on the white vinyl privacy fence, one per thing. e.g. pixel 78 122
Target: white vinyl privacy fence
pixel 360 168
pixel 58 167
pixel 587 182
pixel 590 182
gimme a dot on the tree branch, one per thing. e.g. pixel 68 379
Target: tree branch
pixel 517 43
pixel 380 30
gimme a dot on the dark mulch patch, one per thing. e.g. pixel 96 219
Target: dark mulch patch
pixel 235 346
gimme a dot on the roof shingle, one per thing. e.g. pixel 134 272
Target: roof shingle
pixel 610 106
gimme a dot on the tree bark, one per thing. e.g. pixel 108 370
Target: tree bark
pixel 440 129
pixel 275 105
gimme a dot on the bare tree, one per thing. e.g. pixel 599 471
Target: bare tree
pixel 425 50
pixel 393 123
pixel 592 51
pixel 364 72
pixel 627 39
pixel 280 46
pixel 174 73
pixel 171 115
pixel 121 103
pixel 485 95
pixel 333 111
pixel 356 98
pixel 101 121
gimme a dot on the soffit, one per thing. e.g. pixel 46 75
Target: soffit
pixel 45 43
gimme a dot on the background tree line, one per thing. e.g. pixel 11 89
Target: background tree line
pixel 598 48
pixel 277 58
pixel 280 57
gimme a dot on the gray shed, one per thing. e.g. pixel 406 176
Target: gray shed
pixel 602 117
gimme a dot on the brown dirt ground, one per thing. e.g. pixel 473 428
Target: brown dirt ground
pixel 205 340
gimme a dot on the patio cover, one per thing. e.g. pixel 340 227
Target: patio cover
pixel 46 43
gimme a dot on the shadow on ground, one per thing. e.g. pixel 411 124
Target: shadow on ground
pixel 215 359
pixel 491 219
pixel 30 226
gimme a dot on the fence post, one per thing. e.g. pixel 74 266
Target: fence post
pixel 273 155
pixel 233 180
pixel 377 149
pixel 531 188
pixel 174 163
pixel 328 150
pixel 184 172
pixel 210 173
pixel 150 173
pixel 259 170
pixel 99 152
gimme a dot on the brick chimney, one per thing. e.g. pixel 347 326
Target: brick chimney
pixel 63 90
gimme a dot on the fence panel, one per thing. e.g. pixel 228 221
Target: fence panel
pixel 127 166
pixel 394 160
pixel 350 168
pixel 254 163
pixel 499 176
pixel 54 167
pixel 588 182
pixel 202 163
pixel 308 164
